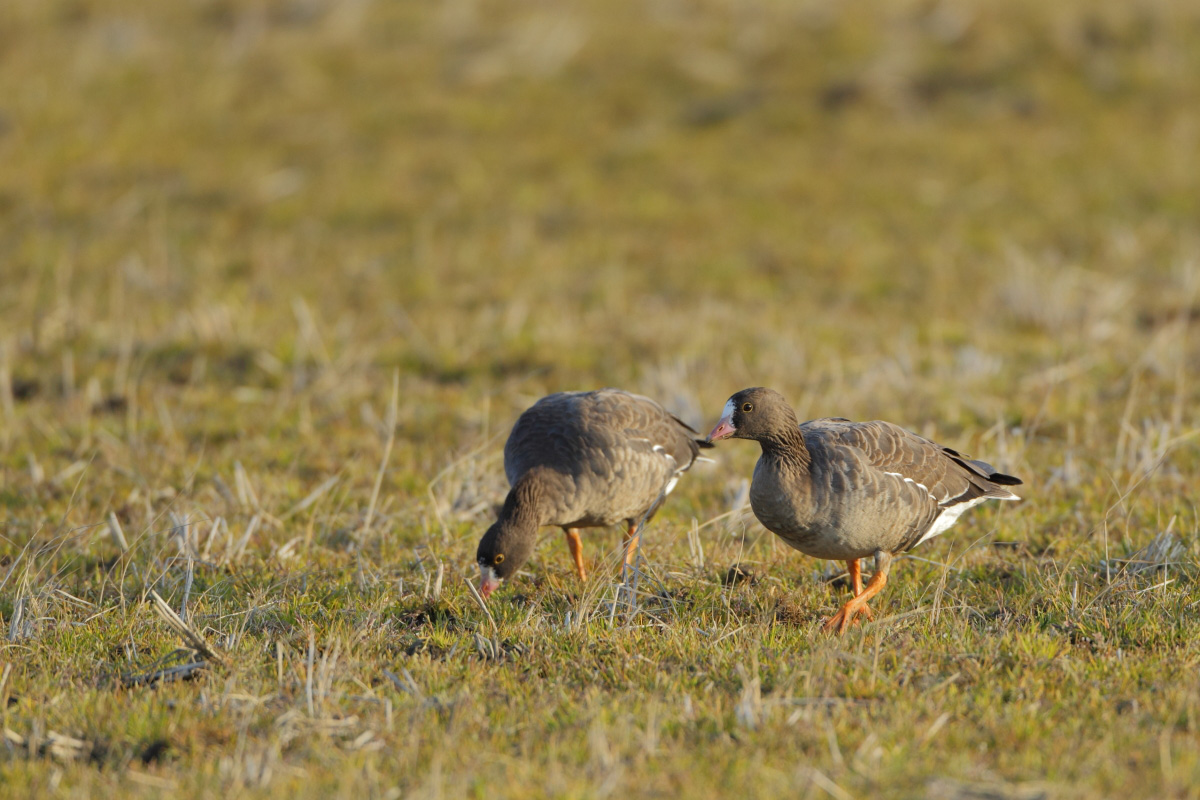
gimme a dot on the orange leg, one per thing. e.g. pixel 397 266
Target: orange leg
pixel 856 581
pixel 576 547
pixel 631 540
pixel 855 575
pixel 846 616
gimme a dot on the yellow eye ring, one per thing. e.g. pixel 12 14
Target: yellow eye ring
pixel 498 559
pixel 747 407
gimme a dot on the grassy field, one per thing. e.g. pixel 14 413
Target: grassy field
pixel 277 276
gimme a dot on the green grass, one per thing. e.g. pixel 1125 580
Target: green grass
pixel 226 227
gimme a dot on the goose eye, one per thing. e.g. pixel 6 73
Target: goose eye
pixel 747 407
pixel 499 558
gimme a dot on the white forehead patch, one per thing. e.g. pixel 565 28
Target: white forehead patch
pixel 727 412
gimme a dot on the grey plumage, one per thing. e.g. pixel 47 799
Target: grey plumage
pixel 581 460
pixel 868 486
pixel 605 455
pixel 837 489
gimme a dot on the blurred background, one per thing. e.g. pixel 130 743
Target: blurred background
pixel 225 225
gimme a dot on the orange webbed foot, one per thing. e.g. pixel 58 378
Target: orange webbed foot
pixel 847 616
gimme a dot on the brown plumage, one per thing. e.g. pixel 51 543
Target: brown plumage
pixel 583 460
pixel 837 489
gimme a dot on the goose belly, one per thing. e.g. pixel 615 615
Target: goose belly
pixel 839 527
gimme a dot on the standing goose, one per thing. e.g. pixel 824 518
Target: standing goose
pixel 837 489
pixel 584 460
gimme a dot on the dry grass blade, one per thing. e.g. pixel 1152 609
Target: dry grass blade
pixel 312 497
pixel 481 602
pixel 188 578
pixel 16 627
pixel 179 672
pixel 4 676
pixel 193 639
pixel 827 784
pixel 393 410
pixel 52 744
pixel 117 534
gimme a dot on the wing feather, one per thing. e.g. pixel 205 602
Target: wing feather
pixel 950 478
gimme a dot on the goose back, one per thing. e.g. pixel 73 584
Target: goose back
pixel 604 456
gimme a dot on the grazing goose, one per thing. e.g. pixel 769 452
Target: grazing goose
pixel 584 460
pixel 837 489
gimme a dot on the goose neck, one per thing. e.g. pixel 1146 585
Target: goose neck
pixel 526 502
pixel 787 445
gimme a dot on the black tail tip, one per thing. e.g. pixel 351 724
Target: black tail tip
pixel 1000 479
pixel 705 444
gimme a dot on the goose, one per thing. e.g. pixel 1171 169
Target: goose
pixel 843 490
pixel 583 460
